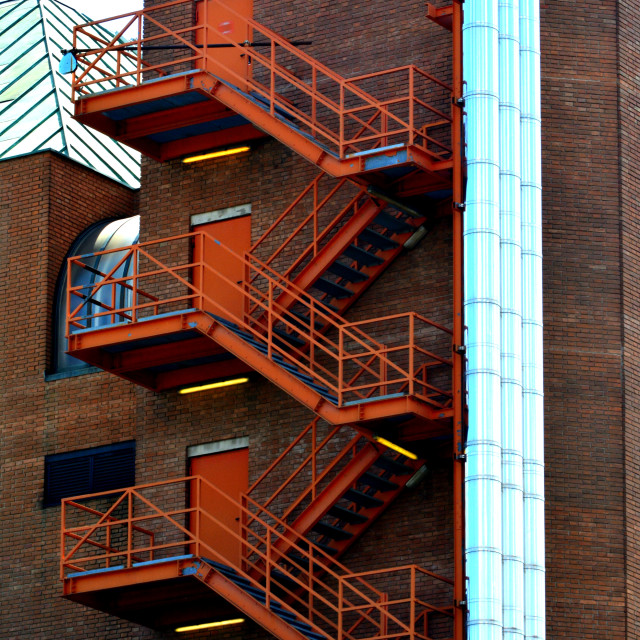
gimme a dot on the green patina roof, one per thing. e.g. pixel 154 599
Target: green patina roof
pixel 35 103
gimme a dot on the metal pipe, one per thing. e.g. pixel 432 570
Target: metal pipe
pixel 511 322
pixel 532 365
pixel 481 232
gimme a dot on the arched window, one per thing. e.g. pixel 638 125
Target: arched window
pixel 110 234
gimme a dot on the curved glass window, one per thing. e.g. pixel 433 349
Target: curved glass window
pixel 110 234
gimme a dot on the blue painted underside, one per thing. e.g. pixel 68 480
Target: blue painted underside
pixel 162 104
pixel 199 129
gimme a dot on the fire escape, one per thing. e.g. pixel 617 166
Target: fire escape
pixel 191 310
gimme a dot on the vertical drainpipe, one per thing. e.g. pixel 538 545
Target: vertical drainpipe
pixel 511 326
pixel 481 233
pixel 532 364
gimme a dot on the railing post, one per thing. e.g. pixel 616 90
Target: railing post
pixel 114 286
pixel 313 459
pixel 411 104
pixel 201 268
pixel 340 363
pixel 108 543
pixel 412 614
pixel 270 322
pixel 198 501
pixel 340 604
pixel 205 35
pixel 129 530
pixel 244 536
pixel 316 214
pixel 134 291
pixel 314 89
pixel 139 52
pixel 269 567
pixel 341 137
pixel 411 353
pixel 63 527
pixel 272 76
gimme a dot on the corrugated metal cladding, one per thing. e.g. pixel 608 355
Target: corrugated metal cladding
pixel 35 99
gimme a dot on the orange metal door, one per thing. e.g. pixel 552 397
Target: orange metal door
pixel 229 472
pixel 218 282
pixel 219 26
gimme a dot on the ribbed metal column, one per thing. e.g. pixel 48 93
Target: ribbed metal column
pixel 511 326
pixel 481 232
pixel 532 320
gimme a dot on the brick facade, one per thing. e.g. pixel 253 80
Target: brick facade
pixel 591 350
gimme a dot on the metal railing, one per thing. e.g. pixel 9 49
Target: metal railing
pixel 395 107
pixel 352 364
pixel 308 581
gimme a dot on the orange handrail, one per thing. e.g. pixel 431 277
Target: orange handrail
pixel 356 366
pixel 311 471
pixel 344 114
pixel 319 595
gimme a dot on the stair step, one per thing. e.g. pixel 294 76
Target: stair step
pixel 363 499
pixel 297 373
pixel 333 289
pixel 377 482
pixel 347 272
pixel 377 240
pixel 347 515
pixel 323 391
pixel 393 466
pixel 397 225
pixel 363 257
pixel 328 530
pixel 326 548
pixel 283 579
pixel 306 630
pixel 289 338
pixel 299 319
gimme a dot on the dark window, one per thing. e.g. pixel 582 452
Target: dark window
pixel 103 236
pixel 88 471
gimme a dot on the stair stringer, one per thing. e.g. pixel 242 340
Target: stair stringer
pixel 239 598
pixel 344 480
pixel 397 405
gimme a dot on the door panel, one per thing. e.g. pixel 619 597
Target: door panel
pixel 234 234
pixel 229 472
pixel 228 63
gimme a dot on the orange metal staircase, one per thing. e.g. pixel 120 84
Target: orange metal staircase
pixel 197 100
pixel 172 330
pixel 339 370
pixel 339 488
pixel 138 554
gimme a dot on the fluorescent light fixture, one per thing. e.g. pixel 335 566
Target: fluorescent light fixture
pixel 395 447
pixel 214 385
pixel 209 625
pixel 216 154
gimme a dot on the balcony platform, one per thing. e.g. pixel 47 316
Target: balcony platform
pixel 156 595
pixel 162 352
pixel 195 111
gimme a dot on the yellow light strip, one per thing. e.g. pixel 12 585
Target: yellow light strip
pixel 395 447
pixel 214 385
pixel 216 154
pixel 209 625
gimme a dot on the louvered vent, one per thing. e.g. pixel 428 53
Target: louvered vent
pixel 89 471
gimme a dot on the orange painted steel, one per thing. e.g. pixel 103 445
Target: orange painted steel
pixel 353 366
pixel 459 399
pixel 343 116
pixel 418 584
pixel 315 235
pixel 325 593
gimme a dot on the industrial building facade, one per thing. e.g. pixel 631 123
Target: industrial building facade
pixel 116 412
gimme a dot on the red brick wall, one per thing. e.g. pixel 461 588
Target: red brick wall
pixel 585 508
pixel 629 89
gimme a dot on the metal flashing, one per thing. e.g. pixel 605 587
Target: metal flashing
pixel 36 112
